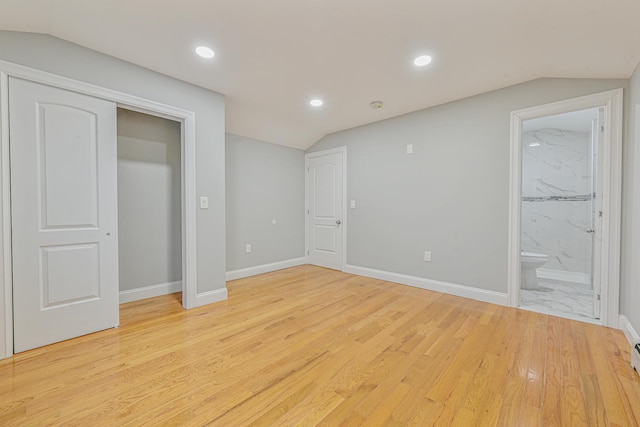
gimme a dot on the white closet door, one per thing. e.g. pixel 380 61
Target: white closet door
pixel 64 214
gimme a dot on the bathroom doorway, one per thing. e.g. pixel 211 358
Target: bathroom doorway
pixel 565 198
pixel 560 205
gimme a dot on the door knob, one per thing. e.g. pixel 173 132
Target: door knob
pixel 591 231
pixel 338 222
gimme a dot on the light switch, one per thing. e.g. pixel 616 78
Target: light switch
pixel 247 249
pixel 353 204
pixel 204 202
pixel 409 148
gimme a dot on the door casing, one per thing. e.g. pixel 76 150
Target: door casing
pixel 123 100
pixel 612 102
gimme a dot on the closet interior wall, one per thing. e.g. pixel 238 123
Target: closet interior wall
pixel 149 204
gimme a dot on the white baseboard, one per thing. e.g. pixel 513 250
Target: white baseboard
pixel 265 268
pixel 150 291
pixel 432 285
pixel 565 276
pixel 210 297
pixel 629 332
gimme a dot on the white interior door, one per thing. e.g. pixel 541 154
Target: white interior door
pixel 64 214
pixel 326 201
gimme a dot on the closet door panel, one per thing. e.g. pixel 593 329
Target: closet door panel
pixel 64 213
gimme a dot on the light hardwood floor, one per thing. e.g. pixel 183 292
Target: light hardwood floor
pixel 308 346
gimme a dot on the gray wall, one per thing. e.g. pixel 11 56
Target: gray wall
pixel 451 195
pixel 57 56
pixel 630 274
pixel 265 182
pixel 149 200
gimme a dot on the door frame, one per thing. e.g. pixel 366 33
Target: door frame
pixel 612 102
pixel 307 157
pixel 122 100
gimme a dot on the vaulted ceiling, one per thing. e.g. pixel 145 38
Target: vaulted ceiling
pixel 274 56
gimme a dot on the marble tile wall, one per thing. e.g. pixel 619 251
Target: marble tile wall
pixel 557 194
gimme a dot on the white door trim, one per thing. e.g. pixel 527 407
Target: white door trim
pixel 187 118
pixel 612 101
pixel 307 157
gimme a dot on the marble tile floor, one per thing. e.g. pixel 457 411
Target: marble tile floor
pixel 561 298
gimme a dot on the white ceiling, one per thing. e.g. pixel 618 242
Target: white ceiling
pixel 273 56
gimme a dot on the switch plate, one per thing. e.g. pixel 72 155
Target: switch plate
pixel 409 148
pixel 247 249
pixel 353 204
pixel 204 202
pixel 427 256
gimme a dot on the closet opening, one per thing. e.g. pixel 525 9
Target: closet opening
pixel 149 206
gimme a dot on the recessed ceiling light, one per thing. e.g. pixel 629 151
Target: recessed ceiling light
pixel 422 60
pixel 316 102
pixel 205 52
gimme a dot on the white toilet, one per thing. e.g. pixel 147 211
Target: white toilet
pixel 530 262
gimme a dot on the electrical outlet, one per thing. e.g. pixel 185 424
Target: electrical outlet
pixel 247 249
pixel 353 204
pixel 409 148
pixel 427 256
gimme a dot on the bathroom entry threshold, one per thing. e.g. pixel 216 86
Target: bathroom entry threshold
pixel 559 298
pixel 544 310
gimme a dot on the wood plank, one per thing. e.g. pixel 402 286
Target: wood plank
pixel 573 404
pixel 595 411
pixel 552 388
